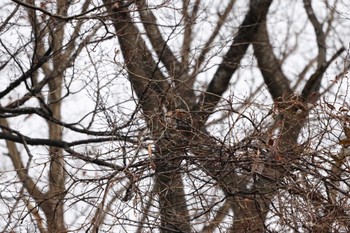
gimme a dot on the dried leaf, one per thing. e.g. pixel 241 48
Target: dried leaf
pixel 345 142
pixel 150 150
pixel 347 132
pixel 152 164
pixel 330 106
pixel 343 109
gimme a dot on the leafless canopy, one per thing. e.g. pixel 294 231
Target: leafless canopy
pixel 174 116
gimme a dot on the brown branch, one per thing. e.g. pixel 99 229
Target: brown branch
pixel 148 82
pixel 176 69
pixel 146 208
pixel 28 73
pixel 208 45
pixel 5 22
pixel 221 213
pixel 22 173
pixel 275 80
pixel 160 46
pixel 189 20
pixel 54 210
pixel 231 61
pixel 43 114
pixel 35 213
pixel 50 142
pixel 77 28
pixel 57 16
pixel 313 83
pixel 320 35
pixel 10 138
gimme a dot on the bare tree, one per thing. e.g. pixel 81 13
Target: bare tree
pixel 174 116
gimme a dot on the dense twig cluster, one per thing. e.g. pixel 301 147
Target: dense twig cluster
pixel 112 118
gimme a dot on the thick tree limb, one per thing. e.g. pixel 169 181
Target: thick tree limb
pixel 189 20
pixel 173 212
pixel 275 80
pixel 231 61
pixel 54 209
pixel 177 70
pixel 151 86
pixel 148 82
pixel 250 213
pixel 160 46
pixel 314 83
pixel 320 35
pixel 221 213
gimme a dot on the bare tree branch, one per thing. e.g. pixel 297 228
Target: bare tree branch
pixel 151 86
pixel 314 82
pixel 275 80
pixel 220 215
pixel 189 19
pixel 177 71
pixel 160 46
pixel 208 45
pixel 5 22
pixel 148 82
pixel 256 166
pixel 28 183
pixel 231 61
pixel 58 16
pixel 27 74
